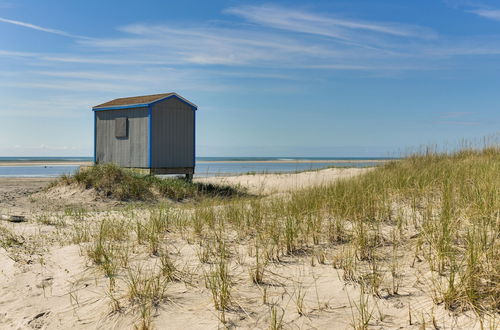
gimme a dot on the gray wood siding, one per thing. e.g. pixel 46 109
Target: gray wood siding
pixel 131 151
pixel 173 134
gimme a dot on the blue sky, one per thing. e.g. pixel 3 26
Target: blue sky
pixel 282 78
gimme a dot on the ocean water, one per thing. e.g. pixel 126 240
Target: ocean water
pixel 37 171
pixel 205 166
pixel 45 159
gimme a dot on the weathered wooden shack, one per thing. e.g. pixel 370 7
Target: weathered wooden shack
pixel 153 132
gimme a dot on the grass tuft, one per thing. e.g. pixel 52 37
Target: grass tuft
pixel 112 181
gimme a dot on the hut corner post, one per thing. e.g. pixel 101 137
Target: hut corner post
pixel 150 136
pixel 95 138
pixel 189 177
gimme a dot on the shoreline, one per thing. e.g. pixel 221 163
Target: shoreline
pixel 301 161
pixel 44 163
pixel 293 161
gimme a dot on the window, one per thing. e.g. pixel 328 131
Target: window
pixel 121 129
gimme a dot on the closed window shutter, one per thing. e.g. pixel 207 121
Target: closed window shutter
pixel 121 127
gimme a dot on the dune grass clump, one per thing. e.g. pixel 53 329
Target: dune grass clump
pixel 112 181
pixel 112 245
pixel 440 208
pixel 447 205
pixel 431 219
pixel 179 189
pixel 8 238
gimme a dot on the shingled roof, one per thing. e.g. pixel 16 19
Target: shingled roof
pixel 139 100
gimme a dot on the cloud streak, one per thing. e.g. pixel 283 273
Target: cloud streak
pixel 40 28
pixel 474 7
pixel 493 14
pixel 312 23
pixel 277 40
pixel 214 46
pixel 271 51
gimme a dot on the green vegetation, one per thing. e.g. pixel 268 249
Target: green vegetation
pixel 111 181
pixel 447 205
pixel 444 206
pixel 9 239
pixel 180 189
pixel 430 218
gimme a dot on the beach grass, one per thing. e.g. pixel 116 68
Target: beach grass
pixel 431 218
pixel 444 206
pixel 112 181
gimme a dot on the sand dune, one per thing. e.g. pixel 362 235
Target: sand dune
pixel 283 182
pixel 47 282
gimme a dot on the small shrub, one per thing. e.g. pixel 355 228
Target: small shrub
pixel 179 189
pixel 112 181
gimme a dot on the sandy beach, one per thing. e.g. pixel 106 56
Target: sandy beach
pixel 275 165
pixel 16 193
pixel 47 282
pixel 284 182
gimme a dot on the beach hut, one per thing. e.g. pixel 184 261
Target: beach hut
pixel 152 132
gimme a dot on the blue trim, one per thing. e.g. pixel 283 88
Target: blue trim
pixel 194 138
pixel 150 135
pixel 144 104
pixel 95 136
pixel 177 97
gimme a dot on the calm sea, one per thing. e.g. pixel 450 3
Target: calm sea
pixel 205 166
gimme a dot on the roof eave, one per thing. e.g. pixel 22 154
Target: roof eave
pixel 117 107
pixel 128 106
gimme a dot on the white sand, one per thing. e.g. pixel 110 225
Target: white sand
pixel 274 183
pixel 48 284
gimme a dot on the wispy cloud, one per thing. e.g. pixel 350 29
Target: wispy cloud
pixel 313 23
pixel 264 49
pixel 479 8
pixel 40 28
pixel 277 40
pixel 286 37
pixel 16 54
pixel 243 46
pixel 493 14
pixel 97 59
pixel 214 46
pixel 125 79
